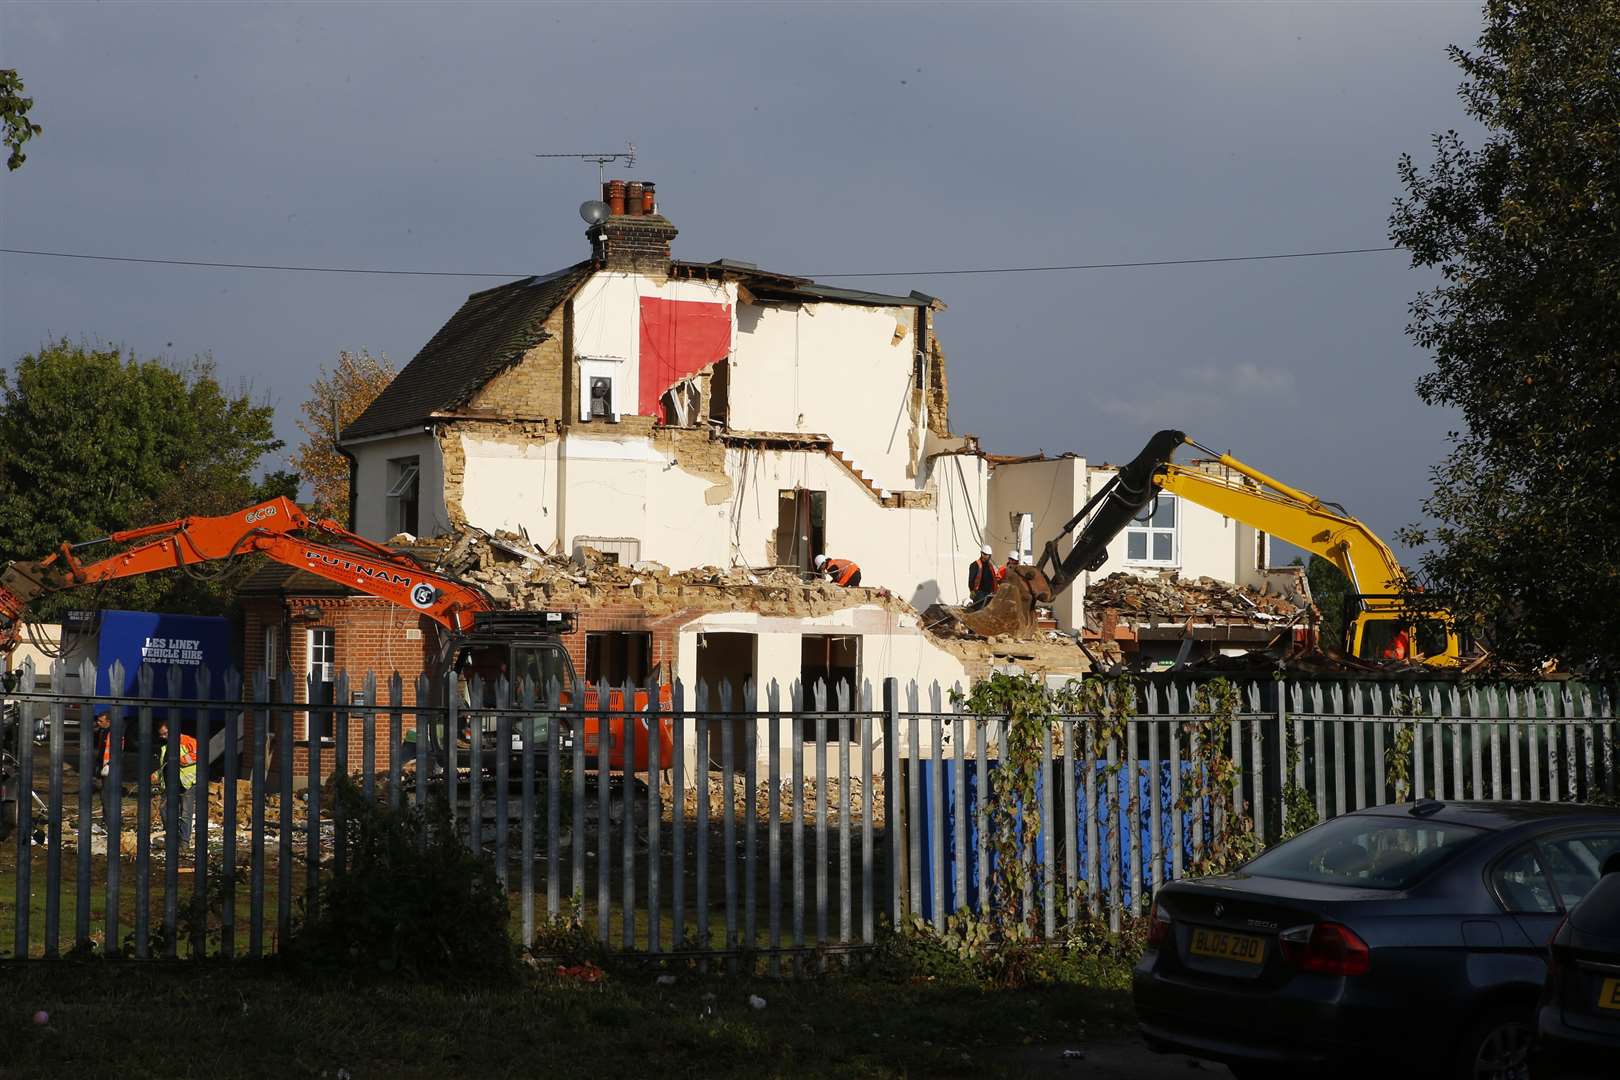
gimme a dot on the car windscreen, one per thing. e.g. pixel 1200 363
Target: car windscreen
pixel 1366 852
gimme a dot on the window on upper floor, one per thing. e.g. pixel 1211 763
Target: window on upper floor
pixel 1153 538
pixel 601 395
pixel 801 528
pixel 404 494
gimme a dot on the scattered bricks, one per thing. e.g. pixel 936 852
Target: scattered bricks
pixel 1162 597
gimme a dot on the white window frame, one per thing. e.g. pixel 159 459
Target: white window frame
pixel 272 651
pixel 1024 535
pixel 1149 532
pixel 601 367
pixel 326 670
pixel 410 474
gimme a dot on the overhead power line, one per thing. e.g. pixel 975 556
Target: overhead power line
pixel 253 266
pixel 1115 265
pixel 867 274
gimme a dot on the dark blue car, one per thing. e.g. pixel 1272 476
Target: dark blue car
pixel 1405 940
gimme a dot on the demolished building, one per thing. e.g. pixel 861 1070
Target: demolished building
pixel 664 447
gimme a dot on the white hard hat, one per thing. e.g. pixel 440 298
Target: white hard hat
pixel 1012 556
pixel 985 550
pixel 820 561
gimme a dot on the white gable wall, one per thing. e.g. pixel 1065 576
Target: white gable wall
pixel 607 323
pixel 831 369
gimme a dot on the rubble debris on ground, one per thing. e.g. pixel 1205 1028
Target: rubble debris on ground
pixel 783 803
pixel 1167 597
pixel 518 574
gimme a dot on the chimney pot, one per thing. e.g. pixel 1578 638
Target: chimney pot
pixel 649 199
pixel 633 197
pixel 615 196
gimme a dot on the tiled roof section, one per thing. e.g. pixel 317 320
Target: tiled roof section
pixel 273 579
pixel 774 286
pixel 489 334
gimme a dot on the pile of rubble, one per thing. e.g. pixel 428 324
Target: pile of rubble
pixel 518 574
pixel 515 573
pixel 1165 598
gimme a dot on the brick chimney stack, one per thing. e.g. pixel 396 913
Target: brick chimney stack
pixel 635 236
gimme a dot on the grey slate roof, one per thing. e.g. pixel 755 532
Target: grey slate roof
pixel 489 334
pixel 275 578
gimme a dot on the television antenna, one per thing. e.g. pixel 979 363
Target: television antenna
pixel 627 155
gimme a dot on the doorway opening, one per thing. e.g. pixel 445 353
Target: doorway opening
pixel 831 660
pixel 801 528
pixel 727 658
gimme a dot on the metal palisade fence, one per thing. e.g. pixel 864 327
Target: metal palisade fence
pixel 716 822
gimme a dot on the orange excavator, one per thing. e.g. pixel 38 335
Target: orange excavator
pixel 476 636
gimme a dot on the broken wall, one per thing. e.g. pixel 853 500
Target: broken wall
pixel 509 482
pixel 635 486
pixel 919 553
pixel 646 333
pixel 1052 491
pixel 841 370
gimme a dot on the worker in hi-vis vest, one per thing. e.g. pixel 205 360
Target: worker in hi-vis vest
pixel 982 577
pixel 188 778
pixel 839 571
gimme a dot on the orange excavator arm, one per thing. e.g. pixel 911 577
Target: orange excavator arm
pixel 277 529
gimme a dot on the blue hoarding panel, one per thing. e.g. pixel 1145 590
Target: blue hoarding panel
pixel 1114 844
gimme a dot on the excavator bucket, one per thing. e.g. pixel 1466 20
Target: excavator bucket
pixel 1010 612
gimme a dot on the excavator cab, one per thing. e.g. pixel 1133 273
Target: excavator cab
pixel 1396 636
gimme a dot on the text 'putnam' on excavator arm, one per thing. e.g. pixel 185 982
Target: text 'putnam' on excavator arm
pixel 277 529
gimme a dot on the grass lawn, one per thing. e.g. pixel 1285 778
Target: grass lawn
pixel 209 1019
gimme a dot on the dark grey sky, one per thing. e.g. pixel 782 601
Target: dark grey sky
pixel 815 139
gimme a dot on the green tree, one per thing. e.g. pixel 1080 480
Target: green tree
pixel 93 440
pixel 1524 328
pixel 15 126
pixel 1329 588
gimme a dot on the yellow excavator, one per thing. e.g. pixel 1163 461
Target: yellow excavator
pixel 1391 624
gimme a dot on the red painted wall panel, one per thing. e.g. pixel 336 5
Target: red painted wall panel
pixel 678 338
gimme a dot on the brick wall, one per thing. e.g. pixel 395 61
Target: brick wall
pixel 639 243
pixel 369 635
pixel 533 387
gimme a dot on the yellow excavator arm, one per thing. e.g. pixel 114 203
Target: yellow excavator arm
pixel 1324 529
pixel 1385 626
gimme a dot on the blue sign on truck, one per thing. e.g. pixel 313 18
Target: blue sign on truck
pixel 184 642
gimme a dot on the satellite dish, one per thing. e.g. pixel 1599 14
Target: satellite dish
pixel 593 211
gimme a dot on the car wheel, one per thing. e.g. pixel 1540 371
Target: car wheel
pixel 1496 1046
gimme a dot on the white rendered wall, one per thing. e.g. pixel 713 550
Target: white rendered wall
pixel 1053 491
pixel 372 480
pixel 839 370
pixel 511 485
pixel 607 322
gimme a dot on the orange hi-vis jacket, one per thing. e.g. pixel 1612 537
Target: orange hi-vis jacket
pixel 840 570
pixel 188 760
